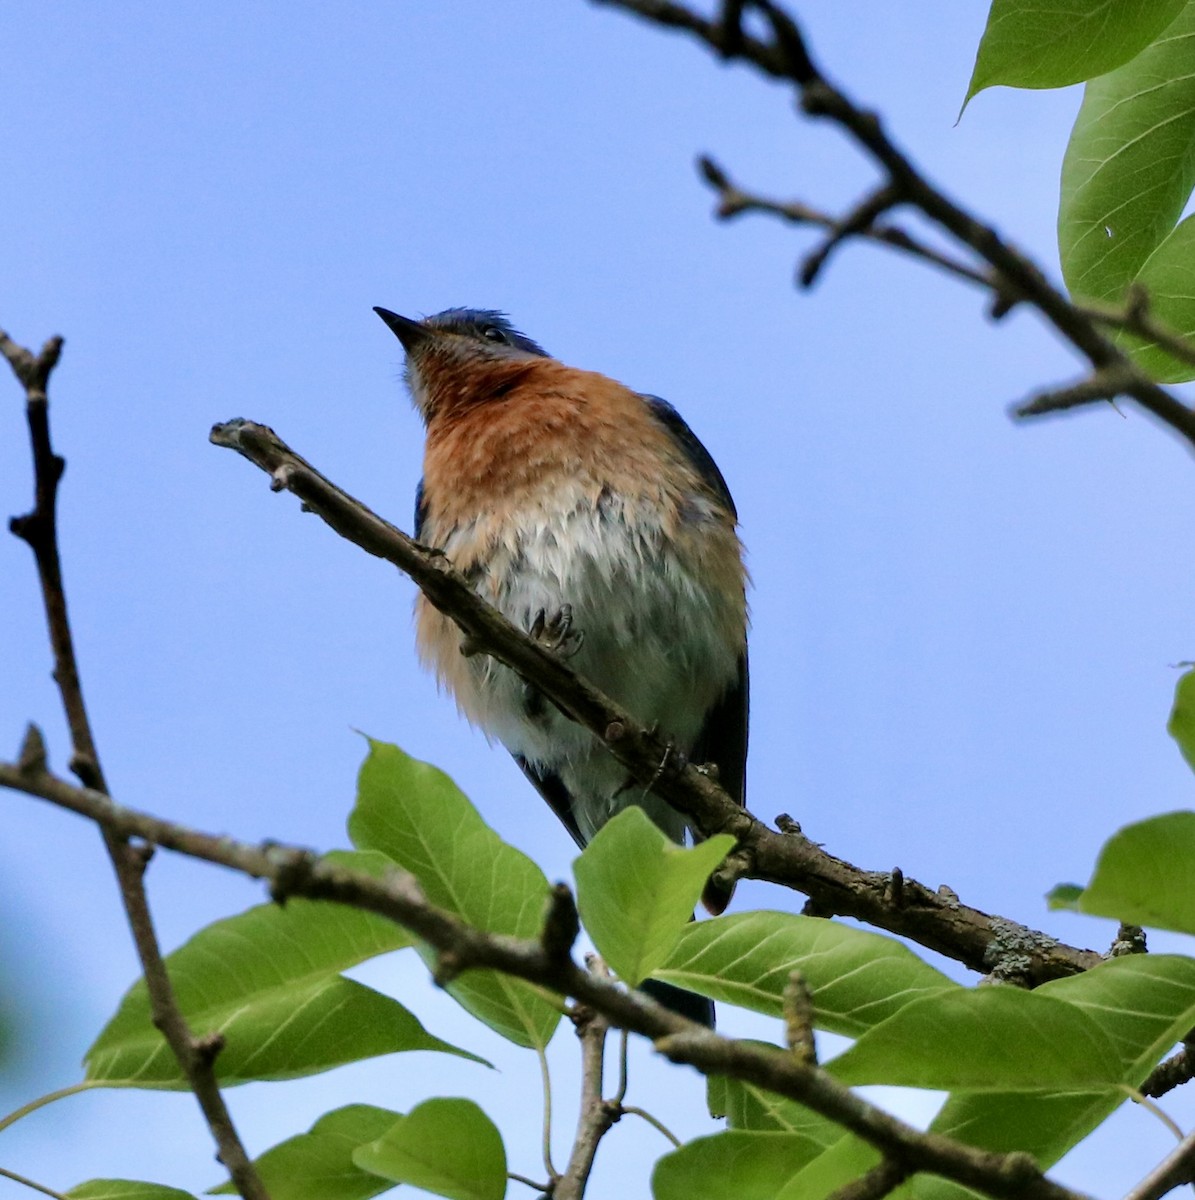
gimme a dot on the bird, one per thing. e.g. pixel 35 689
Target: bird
pixel 591 516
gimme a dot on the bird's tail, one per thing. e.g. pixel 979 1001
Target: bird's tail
pixel 685 1004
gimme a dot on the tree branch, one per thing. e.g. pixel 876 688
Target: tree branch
pixel 883 1179
pixel 1172 1172
pixel 936 920
pixel 596 1117
pixel 292 871
pixel 1016 278
pixel 39 529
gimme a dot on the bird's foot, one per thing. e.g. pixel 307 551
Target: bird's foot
pixel 671 764
pixel 556 633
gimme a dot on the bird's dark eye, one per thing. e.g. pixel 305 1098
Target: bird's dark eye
pixel 492 333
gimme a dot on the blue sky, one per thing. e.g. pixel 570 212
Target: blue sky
pixel 964 631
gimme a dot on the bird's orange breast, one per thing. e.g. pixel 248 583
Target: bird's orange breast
pixel 547 427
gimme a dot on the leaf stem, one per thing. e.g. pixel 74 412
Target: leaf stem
pixel 29 1183
pixel 49 1098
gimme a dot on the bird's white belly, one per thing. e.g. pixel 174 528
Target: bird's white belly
pixel 654 639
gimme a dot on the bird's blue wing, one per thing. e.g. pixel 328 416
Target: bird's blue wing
pixel 551 787
pixel 700 458
pixel 420 511
pixel 723 737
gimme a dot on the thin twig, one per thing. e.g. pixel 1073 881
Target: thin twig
pixel 1173 1171
pixel 858 221
pixel 1135 317
pixel 1104 384
pixel 883 1179
pixel 1178 1069
pixel 940 922
pixel 596 1117
pixel 734 200
pixel 1016 277
pixel 39 529
pixel 292 871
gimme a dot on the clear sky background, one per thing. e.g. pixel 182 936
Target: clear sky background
pixel 964 631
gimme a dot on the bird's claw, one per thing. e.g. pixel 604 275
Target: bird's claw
pixel 556 633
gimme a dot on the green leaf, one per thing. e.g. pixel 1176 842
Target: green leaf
pixel 1054 43
pixel 1064 897
pixel 747 1106
pixel 1126 178
pixel 415 815
pixel 1181 725
pixel 126 1189
pixel 1143 1003
pixel 991 1038
pixel 857 979
pixel 318 1165
pixel 847 1159
pixel 636 890
pixel 449 1147
pixel 747 1166
pixel 267 980
pixel 1146 875
pixel 1044 1124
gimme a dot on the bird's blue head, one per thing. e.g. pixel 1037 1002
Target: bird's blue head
pixel 455 345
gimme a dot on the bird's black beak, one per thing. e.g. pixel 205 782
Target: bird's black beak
pixel 411 333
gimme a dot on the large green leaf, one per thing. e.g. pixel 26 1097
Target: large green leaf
pixel 847 1159
pixel 1181 725
pixel 747 1166
pixel 750 1107
pixel 415 815
pixel 857 979
pixel 1054 43
pixel 1043 1124
pixel 1143 1003
pixel 993 1038
pixel 1126 178
pixel 268 980
pixel 1145 875
pixel 449 1147
pixel 126 1189
pixel 318 1165
pixel 636 890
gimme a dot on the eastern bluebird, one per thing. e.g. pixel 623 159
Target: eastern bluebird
pixel 591 516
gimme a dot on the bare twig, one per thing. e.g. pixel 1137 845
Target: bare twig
pixel 733 201
pixel 292 871
pixel 1172 1172
pixel 883 1179
pixel 39 529
pixel 983 942
pixel 858 221
pixel 1178 1069
pixel 1135 317
pixel 1105 384
pixel 1016 278
pixel 596 1117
